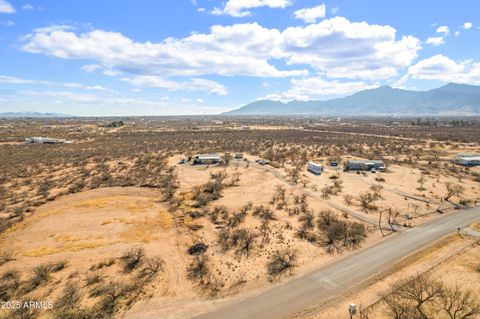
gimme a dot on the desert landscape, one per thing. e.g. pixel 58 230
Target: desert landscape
pixel 116 221
pixel 239 159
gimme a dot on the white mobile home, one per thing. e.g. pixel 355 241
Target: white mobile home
pixel 468 159
pixel 364 165
pixel 206 159
pixel 315 168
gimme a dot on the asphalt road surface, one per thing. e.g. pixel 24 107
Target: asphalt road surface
pixel 285 299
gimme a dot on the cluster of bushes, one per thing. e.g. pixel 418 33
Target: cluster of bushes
pixel 242 241
pixel 111 296
pixel 218 213
pixel 281 263
pixel 422 297
pixel 114 295
pixel 210 191
pixel 337 234
pixel 367 200
pixel 199 271
pixel 333 233
pixel 113 124
pixel 12 287
pixel 300 205
pixel 333 189
pixel 197 249
pixel 136 259
pixel 264 213
pixel 279 197
pixel 222 215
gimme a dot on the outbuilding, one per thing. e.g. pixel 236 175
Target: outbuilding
pixel 44 140
pixel 206 159
pixel 364 165
pixel 315 168
pixel 468 159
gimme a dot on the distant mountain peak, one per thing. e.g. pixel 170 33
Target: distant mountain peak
pixel 385 87
pixel 459 87
pixel 450 99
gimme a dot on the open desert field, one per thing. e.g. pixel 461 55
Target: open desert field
pixel 119 223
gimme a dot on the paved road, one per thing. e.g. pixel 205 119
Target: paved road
pixel 471 232
pixel 290 297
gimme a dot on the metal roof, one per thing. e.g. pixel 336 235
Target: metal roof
pixel 470 158
pixel 208 156
pixel 467 155
pixel 365 161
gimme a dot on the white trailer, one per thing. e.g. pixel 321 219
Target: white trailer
pixel 315 168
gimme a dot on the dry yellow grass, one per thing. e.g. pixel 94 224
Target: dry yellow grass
pixel 146 230
pixel 69 247
pixel 134 205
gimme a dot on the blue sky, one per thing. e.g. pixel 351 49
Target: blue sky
pixel 121 57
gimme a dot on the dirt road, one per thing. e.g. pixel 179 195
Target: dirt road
pixel 290 297
pixel 341 208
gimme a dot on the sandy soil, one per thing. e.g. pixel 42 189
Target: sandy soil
pixel 89 227
pixel 92 226
pixel 243 276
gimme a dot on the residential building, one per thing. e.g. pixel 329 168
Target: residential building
pixel 314 168
pixel 467 159
pixel 364 165
pixel 206 159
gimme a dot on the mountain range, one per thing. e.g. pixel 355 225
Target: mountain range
pixel 449 100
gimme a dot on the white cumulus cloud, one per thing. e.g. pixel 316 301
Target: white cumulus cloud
pixel 6 79
pixel 90 68
pixel 442 68
pixel 344 49
pixel 15 80
pixel 189 85
pixel 333 48
pixel 6 7
pixel 311 15
pixel 443 29
pixel 27 6
pixel 312 88
pixel 8 23
pixel 241 49
pixel 435 41
pixel 467 25
pixel 241 8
